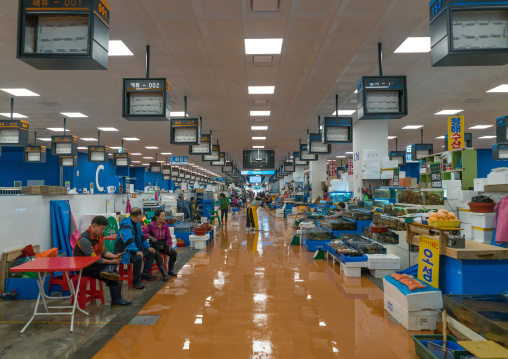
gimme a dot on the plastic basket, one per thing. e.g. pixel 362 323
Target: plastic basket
pixel 424 353
pixel 444 224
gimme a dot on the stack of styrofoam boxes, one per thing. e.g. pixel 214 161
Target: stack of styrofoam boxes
pixel 479 184
pixel 198 242
pixel 353 269
pixel 381 265
pixel 371 165
pixel 279 213
pixel 388 164
pixel 416 311
pixel 465 223
pixel 498 176
pixel 483 226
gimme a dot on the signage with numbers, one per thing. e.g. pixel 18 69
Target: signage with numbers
pixel 399 156
pixel 185 131
pixel 179 160
pixel 500 152
pixel 337 130
pixel 122 159
pixel 428 261
pixel 421 150
pixel 204 147
pixel 502 129
pixel 64 34
pixel 456 138
pixel 98 153
pixel 436 175
pixel 35 154
pixel 146 99
pixel 305 155
pixel 221 162
pixel 315 144
pixel 64 145
pixel 68 161
pixel 297 161
pixel 382 97
pixel 396 174
pixel 214 156
pixel 14 133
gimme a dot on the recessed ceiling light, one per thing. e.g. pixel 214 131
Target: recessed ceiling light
pixel 259 128
pixel 82 148
pixel 500 88
pixel 261 90
pixel 258 146
pixel 136 161
pixel 14 115
pixel 44 139
pixel 349 153
pixel 145 164
pixel 480 127
pixel 341 156
pixel 263 46
pixel 106 129
pixel 131 139
pixel 73 114
pixel 448 112
pixel 152 147
pixel 20 92
pixel 118 48
pixel 148 158
pixel 136 154
pixel 414 45
pixel 344 112
pixel 440 138
pixel 178 114
pixel 259 138
pixel 392 137
pixel 88 139
pixel 412 127
pixel 56 129
pixel 486 137
pixel 166 153
pixel 260 113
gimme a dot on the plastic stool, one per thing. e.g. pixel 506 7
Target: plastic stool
pixel 86 294
pixel 156 267
pixel 125 275
pixel 61 281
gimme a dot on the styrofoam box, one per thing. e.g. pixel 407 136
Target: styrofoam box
pixel 498 176
pixel 479 184
pixel 354 272
pixel 414 302
pixel 355 264
pixel 453 193
pixel 198 242
pixel 381 273
pixel 483 235
pixel 467 196
pixel 452 184
pixel 483 220
pixel 464 215
pixel 414 321
pixel 279 214
pixel 467 230
pixel 383 261
pixel 387 175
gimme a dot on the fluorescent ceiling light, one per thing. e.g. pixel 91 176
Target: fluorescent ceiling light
pixel 88 139
pixel 148 158
pixel 261 90
pixel 344 112
pixel 260 113
pixel 259 128
pixel 145 164
pixel 152 147
pixel 118 48
pixel 166 153
pixel 486 137
pixel 258 146
pixel 356 91
pixel 414 45
pixel 448 112
pixel 500 88
pixel 116 148
pixel 73 114
pixel 44 139
pixel 20 92
pixel 263 46
pixel 56 129
pixel 136 154
pixel 178 114
pixel 136 161
pixel 14 115
pixel 82 148
pixel 106 129
pixel 131 139
pixel 340 157
pixel 440 138
pixel 161 161
pixel 259 138
pixel 412 127
pixel 392 137
pixel 349 153
pixel 480 127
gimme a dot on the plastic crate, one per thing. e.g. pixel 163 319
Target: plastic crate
pixel 346 259
pixel 424 353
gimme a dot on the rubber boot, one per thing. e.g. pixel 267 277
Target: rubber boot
pixel 116 296
pixel 109 272
pixel 171 267
pixel 165 275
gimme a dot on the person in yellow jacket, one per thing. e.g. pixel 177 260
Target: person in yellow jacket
pixel 252 213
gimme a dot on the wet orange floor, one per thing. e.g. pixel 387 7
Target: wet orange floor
pixel 252 295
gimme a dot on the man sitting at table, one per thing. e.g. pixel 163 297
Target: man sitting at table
pixel 132 244
pixel 91 244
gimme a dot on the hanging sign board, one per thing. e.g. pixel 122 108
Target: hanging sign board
pixel 396 174
pixel 262 159
pixel 337 130
pixel 187 175
pixel 297 161
pixel 500 152
pixel 316 145
pixel 185 132
pixel 98 153
pixel 382 97
pixel 436 175
pixel 428 261
pixel 289 167
pixel 214 156
pixel 468 140
pixel 64 34
pixel 468 33
pixel 35 154
pixel 221 162
pixel 399 156
pixel 179 160
pixel 502 129
pixel 122 159
pixel 14 133
pixel 305 155
pixel 228 168
pixel 146 99
pixel 155 167
pixel 456 133
pixel 204 147
pixel 166 177
pixel 68 161
pixel 166 170
pixel 64 145
pixel 421 150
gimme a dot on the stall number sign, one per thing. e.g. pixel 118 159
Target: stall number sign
pixel 331 169
pixel 182 160
pixel 350 167
pixel 428 261
pixel 435 174
pixel 396 173
pixel 456 133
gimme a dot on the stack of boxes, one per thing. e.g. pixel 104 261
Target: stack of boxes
pixel 371 163
pixel 387 167
pixel 483 225
pixel 381 265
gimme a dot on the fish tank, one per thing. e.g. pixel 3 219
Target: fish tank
pixel 186 227
pixel 370 248
pixel 387 193
pixel 339 225
pixel 365 204
pixel 433 197
pixel 358 215
pixel 380 202
pixel 387 237
pixel 317 234
pixel 410 196
pixel 340 196
pixel 349 236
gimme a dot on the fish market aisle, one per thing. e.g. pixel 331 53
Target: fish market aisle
pixel 252 295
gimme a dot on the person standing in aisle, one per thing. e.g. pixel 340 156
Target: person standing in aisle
pixel 224 208
pixel 193 209
pixel 255 204
pixel 157 232
pixel 91 244
pixel 182 206
pixel 131 242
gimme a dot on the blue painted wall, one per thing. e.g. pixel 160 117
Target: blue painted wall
pixel 412 170
pixel 486 163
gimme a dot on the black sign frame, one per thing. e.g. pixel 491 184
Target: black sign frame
pixel 436 178
pixel 303 148
pixel 397 154
pixel 187 123
pixel 502 129
pixel 205 138
pixel 35 149
pixel 330 123
pixel 98 149
pixel 396 176
pixel 23 129
pixel 120 156
pixel 297 161
pixel 221 162
pixel 136 86
pixel 374 85
pixel 62 159
pixel 57 140
pixel 421 147
pixel 314 140
pixel 495 151
pixel 213 156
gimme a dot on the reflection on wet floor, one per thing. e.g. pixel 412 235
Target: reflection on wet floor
pixel 252 295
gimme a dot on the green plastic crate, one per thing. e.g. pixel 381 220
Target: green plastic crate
pixel 424 353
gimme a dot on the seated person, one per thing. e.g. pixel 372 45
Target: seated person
pixel 131 242
pixel 341 206
pixel 91 244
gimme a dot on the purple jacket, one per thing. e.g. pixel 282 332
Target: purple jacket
pixel 152 229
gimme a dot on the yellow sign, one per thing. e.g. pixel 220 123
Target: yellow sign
pixel 456 133
pixel 428 261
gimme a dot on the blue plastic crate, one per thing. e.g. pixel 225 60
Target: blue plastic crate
pixel 26 288
pixel 346 259
pixel 313 246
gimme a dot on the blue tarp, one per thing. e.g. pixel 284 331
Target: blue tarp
pixel 60 226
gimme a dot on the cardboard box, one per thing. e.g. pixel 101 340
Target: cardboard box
pixel 483 220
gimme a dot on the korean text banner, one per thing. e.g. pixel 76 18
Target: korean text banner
pixel 456 133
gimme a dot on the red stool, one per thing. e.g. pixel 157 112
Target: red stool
pixel 86 294
pixel 156 267
pixel 125 275
pixel 61 281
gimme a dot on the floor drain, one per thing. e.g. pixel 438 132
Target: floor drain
pixel 144 320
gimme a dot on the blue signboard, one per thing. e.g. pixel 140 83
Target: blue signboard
pixel 257 173
pixel 179 160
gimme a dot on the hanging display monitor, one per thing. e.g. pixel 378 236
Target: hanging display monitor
pixel 315 144
pixel 14 133
pixel 68 161
pixel 289 167
pixel 468 33
pixel 228 168
pixel 204 147
pixel 297 161
pixel 64 145
pixel 421 150
pixel 98 153
pixel 500 152
pixel 382 97
pixel 146 99
pixel 64 35
pixel 166 170
pixel 305 155
pixel 468 137
pixel 122 159
pixel 214 156
pixel 185 132
pixel 502 129
pixel 166 177
pixel 175 172
pixel 35 154
pixel 155 167
pixel 399 156
pixel 337 130
pixel 255 179
pixel 221 162
pixel 253 159
pixel 187 175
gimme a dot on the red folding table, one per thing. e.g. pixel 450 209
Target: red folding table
pixel 44 266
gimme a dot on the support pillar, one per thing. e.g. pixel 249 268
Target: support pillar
pixel 298 174
pixel 317 175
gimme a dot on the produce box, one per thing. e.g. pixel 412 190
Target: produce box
pixel 444 224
